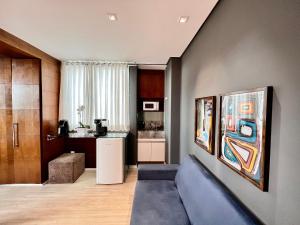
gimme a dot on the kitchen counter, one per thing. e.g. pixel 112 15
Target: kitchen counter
pixel 115 135
pixel 151 134
pixel 151 139
pixel 91 135
pixel 86 143
pixel 151 146
pixel 78 135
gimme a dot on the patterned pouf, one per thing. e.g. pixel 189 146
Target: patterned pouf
pixel 66 168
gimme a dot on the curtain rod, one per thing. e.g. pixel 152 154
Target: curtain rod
pixel 98 61
pixel 130 63
pixel 147 64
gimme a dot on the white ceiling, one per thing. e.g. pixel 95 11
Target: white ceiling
pixel 147 31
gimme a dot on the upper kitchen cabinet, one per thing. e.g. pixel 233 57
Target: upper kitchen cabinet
pixel 151 84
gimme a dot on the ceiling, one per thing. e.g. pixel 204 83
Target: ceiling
pixel 147 31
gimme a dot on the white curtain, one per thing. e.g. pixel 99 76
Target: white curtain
pixel 102 88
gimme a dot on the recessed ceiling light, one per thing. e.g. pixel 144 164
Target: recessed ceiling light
pixel 112 16
pixel 183 19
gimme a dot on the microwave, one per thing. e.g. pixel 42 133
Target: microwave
pixel 150 106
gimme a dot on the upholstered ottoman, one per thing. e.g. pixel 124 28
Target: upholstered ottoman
pixel 66 168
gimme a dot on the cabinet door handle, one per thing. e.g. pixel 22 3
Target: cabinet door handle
pixel 15 135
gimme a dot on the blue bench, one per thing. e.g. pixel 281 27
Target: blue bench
pixel 184 195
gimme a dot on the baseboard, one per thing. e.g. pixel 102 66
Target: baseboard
pixel 90 169
pixel 93 169
pixel 21 185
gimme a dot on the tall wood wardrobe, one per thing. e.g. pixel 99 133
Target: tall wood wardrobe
pixel 29 93
pixel 20 120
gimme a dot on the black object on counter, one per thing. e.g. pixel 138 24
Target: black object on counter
pixel 63 128
pixel 100 130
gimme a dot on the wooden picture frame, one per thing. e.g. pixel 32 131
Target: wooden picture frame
pixel 205 118
pixel 245 133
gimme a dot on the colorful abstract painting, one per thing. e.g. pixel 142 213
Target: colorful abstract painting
pixel 244 133
pixel 205 123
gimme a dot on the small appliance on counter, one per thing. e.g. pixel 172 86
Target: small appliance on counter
pixel 63 128
pixel 101 127
pixel 150 106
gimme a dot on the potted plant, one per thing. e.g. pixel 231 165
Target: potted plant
pixel 82 129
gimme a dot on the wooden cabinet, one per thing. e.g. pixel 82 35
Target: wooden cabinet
pixel 151 84
pixel 20 151
pixel 24 149
pixel 151 151
pixel 144 151
pixel 29 94
pixel 85 145
pixel 6 141
pixel 158 151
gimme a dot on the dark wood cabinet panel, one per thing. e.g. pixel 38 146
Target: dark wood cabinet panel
pixel 6 151
pixel 27 171
pixel 37 75
pixel 83 145
pixel 26 71
pixel 7 50
pixel 151 84
pixel 20 121
pixel 15 47
pixel 88 146
pixel 26 115
pixel 51 150
pixel 5 71
pixel 50 99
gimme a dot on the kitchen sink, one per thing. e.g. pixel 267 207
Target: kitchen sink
pixel 148 134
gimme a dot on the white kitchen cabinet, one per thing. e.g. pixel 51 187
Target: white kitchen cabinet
pixel 151 150
pixel 158 151
pixel 144 151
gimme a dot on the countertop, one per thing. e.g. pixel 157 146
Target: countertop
pixel 151 139
pixel 77 135
pixel 115 135
pixel 151 136
pixel 108 135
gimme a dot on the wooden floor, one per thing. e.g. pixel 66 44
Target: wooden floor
pixel 83 202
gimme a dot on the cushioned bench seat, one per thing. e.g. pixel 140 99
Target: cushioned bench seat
pixel 66 168
pixel 158 202
pixel 157 171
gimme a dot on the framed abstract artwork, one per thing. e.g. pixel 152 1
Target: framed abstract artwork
pixel 244 133
pixel 205 123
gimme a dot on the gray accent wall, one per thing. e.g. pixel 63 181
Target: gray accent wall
pixel 172 109
pixel 132 137
pixel 244 45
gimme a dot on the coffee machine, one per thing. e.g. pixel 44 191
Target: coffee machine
pixel 101 127
pixel 63 128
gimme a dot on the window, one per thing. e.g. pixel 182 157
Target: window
pixel 103 90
